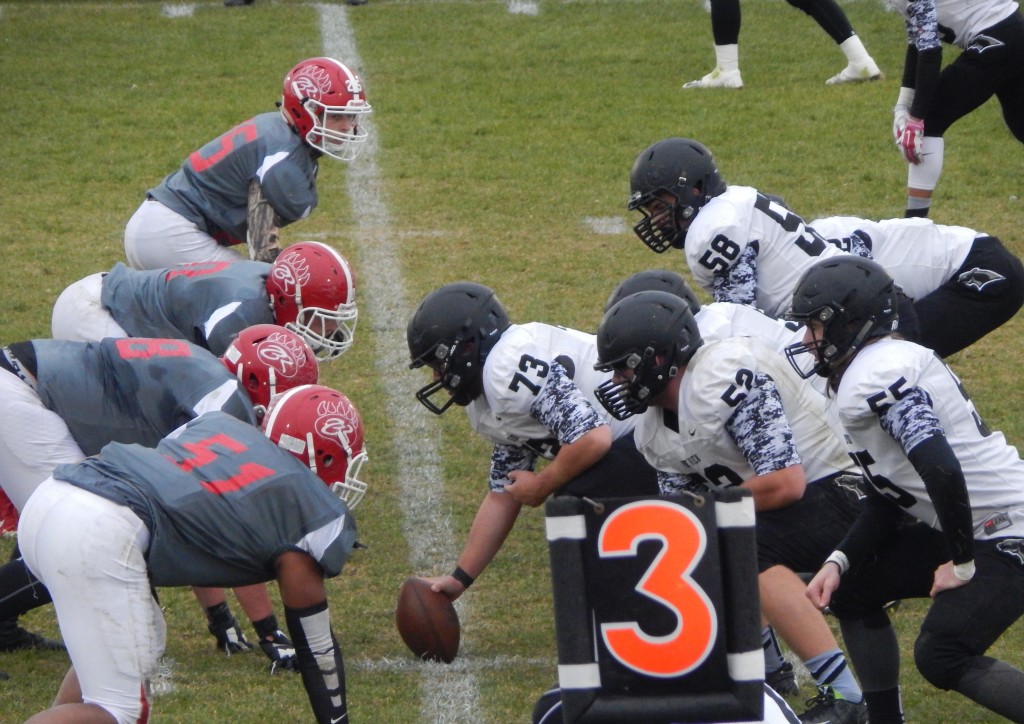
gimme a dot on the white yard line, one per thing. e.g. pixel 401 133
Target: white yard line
pixel 449 693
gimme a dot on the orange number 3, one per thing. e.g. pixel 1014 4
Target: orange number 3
pixel 668 581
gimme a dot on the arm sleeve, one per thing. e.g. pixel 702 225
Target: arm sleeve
pixel 877 521
pixel 738 283
pixel 319 661
pixel 761 430
pixel 563 408
pixel 912 423
pixel 506 458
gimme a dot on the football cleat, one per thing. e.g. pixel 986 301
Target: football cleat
pixel 783 680
pixel 14 638
pixel 856 74
pixel 718 78
pixel 828 707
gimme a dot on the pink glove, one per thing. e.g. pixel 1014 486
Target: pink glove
pixel 909 140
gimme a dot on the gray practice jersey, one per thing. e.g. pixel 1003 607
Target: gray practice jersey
pixel 211 188
pixel 207 303
pixel 221 502
pixel 133 390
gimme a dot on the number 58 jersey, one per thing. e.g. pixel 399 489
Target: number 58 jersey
pixel 221 502
pixel 882 374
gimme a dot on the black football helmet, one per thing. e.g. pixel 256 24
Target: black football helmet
pixel 653 334
pixel 853 298
pixel 669 183
pixel 654 280
pixel 452 332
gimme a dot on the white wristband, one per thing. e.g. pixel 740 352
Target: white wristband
pixel 840 559
pixel 964 571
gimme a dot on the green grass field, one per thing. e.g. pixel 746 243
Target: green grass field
pixel 503 145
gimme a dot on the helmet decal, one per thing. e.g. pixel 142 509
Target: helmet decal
pixel 283 352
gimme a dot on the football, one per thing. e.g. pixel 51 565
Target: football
pixel 427 621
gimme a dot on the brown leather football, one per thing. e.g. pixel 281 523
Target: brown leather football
pixel 427 621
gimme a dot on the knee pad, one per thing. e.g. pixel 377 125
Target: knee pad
pixel 940 659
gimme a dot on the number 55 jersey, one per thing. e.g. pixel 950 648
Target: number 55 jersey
pixel 893 396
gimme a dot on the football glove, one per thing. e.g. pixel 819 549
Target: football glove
pixel 909 142
pixel 279 649
pixel 225 629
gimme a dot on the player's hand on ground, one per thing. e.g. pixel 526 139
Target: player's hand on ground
pixel 910 140
pixel 823 585
pixel 447 585
pixel 526 488
pixel 279 649
pixel 945 579
pixel 230 638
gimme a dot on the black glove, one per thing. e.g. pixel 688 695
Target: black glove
pixel 225 629
pixel 279 649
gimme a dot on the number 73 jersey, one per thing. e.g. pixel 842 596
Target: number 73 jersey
pixel 881 375
pixel 517 385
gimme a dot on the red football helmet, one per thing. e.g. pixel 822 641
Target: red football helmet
pixel 312 291
pixel 323 100
pixel 322 428
pixel 268 359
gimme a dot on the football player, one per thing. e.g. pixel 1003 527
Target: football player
pixel 731 412
pixel 260 175
pixel 932 97
pixel 66 400
pixel 309 289
pixel 528 388
pixel 745 246
pixel 944 517
pixel 725 28
pixel 102 532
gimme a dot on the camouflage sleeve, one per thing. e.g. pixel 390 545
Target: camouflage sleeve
pixel 761 430
pixel 506 458
pixel 911 420
pixel 674 483
pixel 738 284
pixel 563 409
pixel 263 236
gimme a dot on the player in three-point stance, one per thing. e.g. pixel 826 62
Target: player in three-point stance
pixel 221 504
pixel 944 516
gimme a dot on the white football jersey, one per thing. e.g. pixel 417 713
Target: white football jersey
pixel 721 320
pixel 742 223
pixel 920 255
pixel 882 373
pixel 517 370
pixel 966 19
pixel 717 378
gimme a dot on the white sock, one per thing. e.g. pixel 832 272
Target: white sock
pixel 855 52
pixel 728 57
